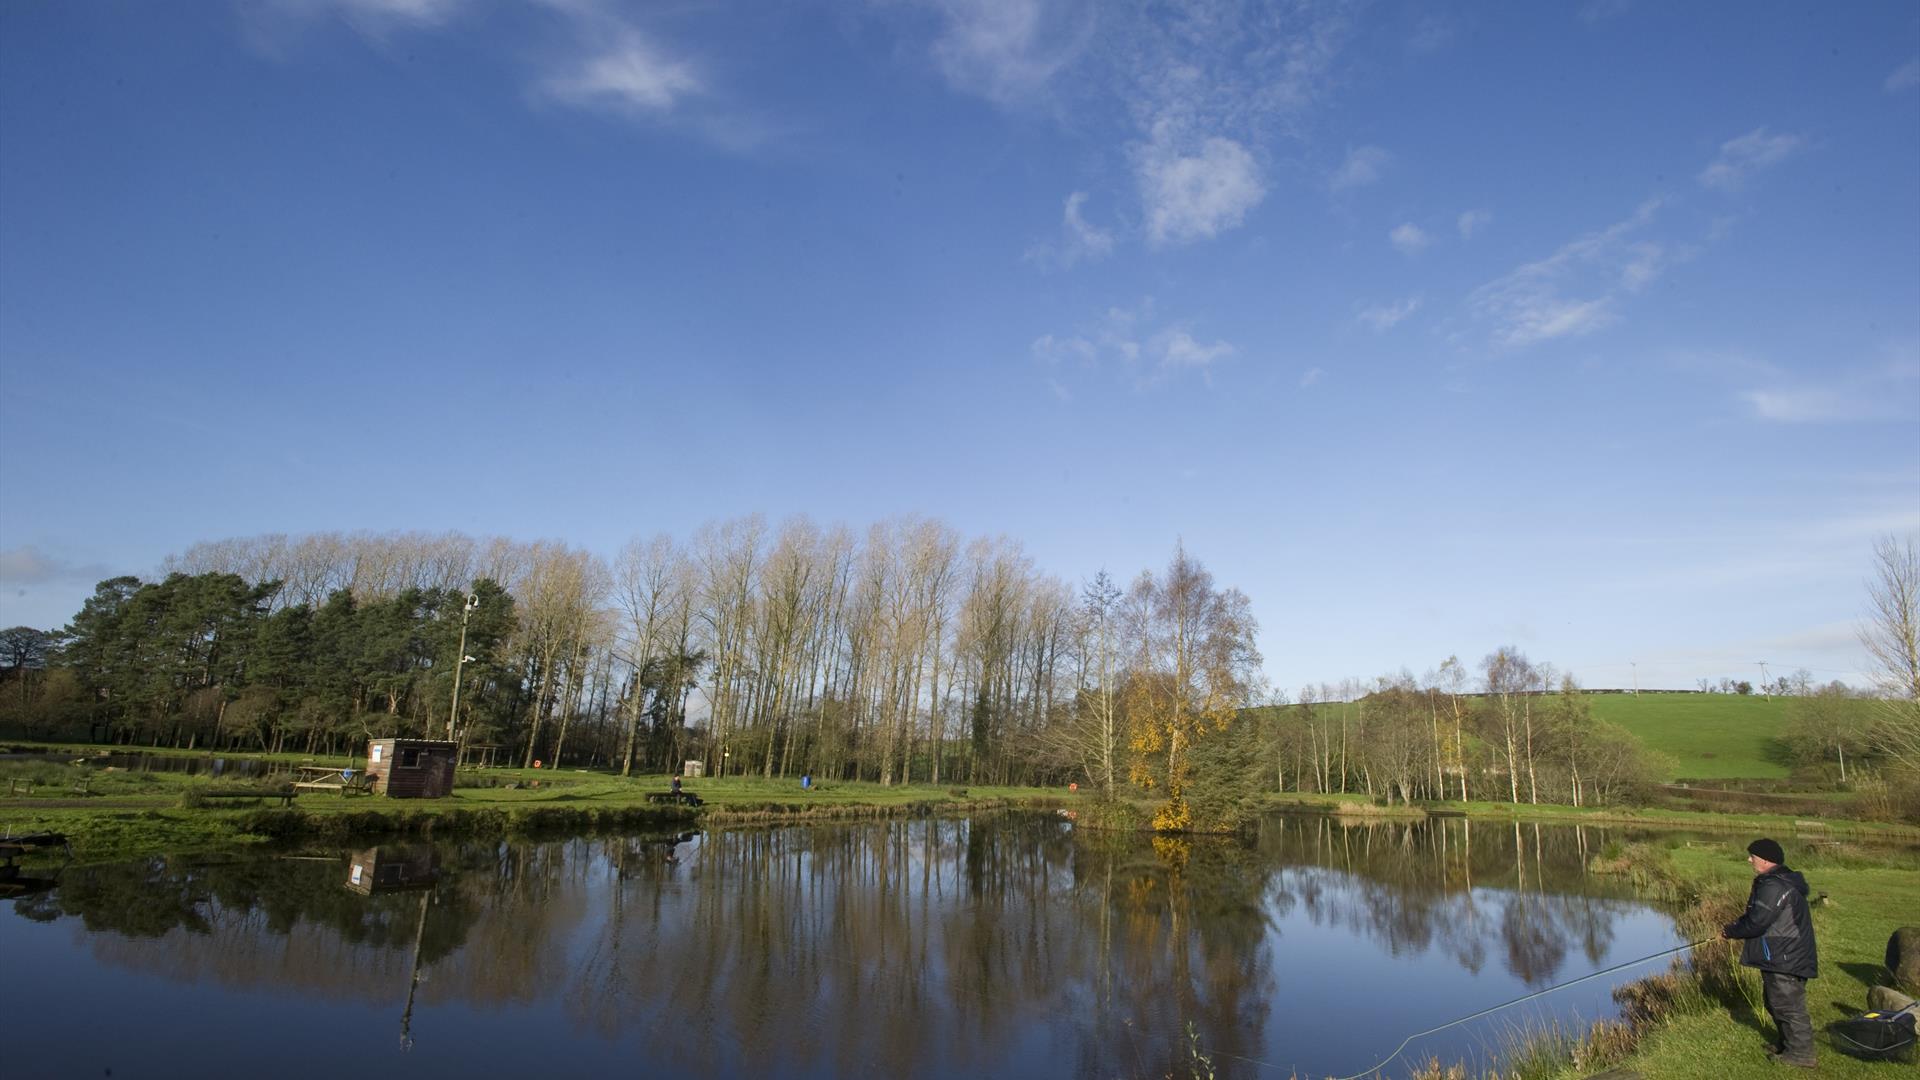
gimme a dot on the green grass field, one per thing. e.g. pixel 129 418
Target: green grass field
pixel 1709 736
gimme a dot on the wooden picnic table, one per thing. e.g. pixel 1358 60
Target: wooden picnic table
pixel 330 778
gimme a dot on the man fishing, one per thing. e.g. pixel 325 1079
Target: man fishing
pixel 1777 937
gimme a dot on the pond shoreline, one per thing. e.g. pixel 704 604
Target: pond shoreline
pixel 109 827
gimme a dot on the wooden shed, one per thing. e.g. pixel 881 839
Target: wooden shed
pixel 411 768
pixel 391 868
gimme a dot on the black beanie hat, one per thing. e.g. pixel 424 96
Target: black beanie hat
pixel 1768 850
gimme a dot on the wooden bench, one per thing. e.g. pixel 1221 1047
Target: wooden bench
pixel 686 797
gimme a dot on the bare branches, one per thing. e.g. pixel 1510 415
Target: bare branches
pixel 1891 637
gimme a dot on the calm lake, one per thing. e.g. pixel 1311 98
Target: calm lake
pixel 1002 946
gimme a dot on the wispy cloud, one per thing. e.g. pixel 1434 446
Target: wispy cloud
pixel 271 26
pixel 1079 239
pixel 28 565
pixel 1362 167
pixel 629 74
pixel 1055 351
pixel 1176 350
pixel 1007 51
pixel 1411 239
pixel 1598 11
pixel 1312 377
pixel 1195 192
pixel 1472 221
pixel 1531 304
pixel 1433 33
pixel 1742 157
pixel 1885 390
pixel 371 15
pixel 1384 317
pixel 1134 343
pixel 1904 77
pixel 595 56
pixel 426 12
pixel 1206 89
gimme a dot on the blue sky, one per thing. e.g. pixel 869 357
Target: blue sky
pixel 1590 328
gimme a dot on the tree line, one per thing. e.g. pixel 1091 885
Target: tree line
pixel 907 653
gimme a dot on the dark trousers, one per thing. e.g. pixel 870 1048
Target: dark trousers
pixel 1786 998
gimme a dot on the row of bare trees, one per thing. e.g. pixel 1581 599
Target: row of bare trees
pixel 908 653
pixel 1515 731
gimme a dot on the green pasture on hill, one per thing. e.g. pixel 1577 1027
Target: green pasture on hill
pixel 1709 736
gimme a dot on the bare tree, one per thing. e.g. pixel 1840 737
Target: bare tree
pixel 1510 682
pixel 645 578
pixel 1891 636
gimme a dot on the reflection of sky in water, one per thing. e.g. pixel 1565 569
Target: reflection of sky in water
pixel 1344 998
pixel 921 948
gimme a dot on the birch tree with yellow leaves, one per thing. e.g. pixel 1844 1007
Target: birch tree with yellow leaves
pixel 1193 664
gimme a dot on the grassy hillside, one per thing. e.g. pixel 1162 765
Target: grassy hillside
pixel 1710 736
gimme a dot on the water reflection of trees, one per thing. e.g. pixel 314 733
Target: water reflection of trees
pixel 1453 886
pixel 875 949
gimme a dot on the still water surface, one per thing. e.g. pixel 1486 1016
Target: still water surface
pixel 1000 946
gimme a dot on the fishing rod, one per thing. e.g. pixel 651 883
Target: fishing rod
pixel 1508 1004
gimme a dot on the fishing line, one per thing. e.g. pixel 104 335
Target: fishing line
pixel 1508 1004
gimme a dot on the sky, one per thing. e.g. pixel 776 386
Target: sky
pixel 1589 328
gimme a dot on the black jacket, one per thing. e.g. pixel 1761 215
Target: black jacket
pixel 1777 928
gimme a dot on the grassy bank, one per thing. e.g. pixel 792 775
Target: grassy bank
pixel 1704 1018
pixel 1716 1025
pixel 1782 825
pixel 127 814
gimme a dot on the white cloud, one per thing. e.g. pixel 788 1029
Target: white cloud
pixel 1905 77
pixel 1644 263
pixel 1742 157
pixel 1089 240
pixel 1433 34
pixel 1529 305
pixel 1411 239
pixel 1362 167
pixel 1054 351
pixel 1131 342
pixel 1596 11
pixel 1080 239
pixel 1472 221
pixel 29 565
pixel 1196 195
pixel 371 15
pixel 1312 376
pixel 630 75
pixel 1801 405
pixel 272 26
pixel 1550 318
pixel 1887 390
pixel 1008 50
pixel 1178 350
pixel 1207 88
pixel 1384 317
pixel 425 12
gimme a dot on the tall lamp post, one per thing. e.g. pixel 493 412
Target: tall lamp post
pixel 473 601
